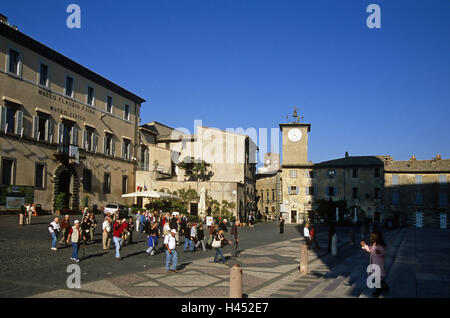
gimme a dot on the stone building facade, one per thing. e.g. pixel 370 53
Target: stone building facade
pixel 268 187
pixel 231 156
pixel 373 187
pixel 63 129
pixel 414 186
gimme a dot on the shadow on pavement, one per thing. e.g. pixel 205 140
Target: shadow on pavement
pixel 183 266
pixel 134 254
pixel 94 255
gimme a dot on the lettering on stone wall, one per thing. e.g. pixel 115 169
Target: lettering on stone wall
pixel 71 109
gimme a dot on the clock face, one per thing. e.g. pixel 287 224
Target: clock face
pixel 295 135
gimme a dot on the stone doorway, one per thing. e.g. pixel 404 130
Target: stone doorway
pixel 65 180
pixel 194 208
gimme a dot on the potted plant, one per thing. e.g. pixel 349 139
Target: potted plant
pixel 60 202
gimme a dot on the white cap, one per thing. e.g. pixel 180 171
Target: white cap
pixel 174 231
pixel 76 222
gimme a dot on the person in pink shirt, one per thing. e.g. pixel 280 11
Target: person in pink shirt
pixel 377 251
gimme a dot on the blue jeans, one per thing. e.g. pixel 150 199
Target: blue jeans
pixel 171 257
pixel 54 240
pixel 75 250
pixel 118 244
pixel 219 252
pixel 190 243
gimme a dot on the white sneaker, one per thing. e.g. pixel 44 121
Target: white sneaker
pixel 72 258
pixel 54 249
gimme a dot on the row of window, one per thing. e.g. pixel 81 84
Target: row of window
pixel 267 197
pixel 331 174
pixel 67 132
pixel 333 191
pixel 106 187
pixel 418 198
pixel 15 68
pixel 419 179
pixel 8 168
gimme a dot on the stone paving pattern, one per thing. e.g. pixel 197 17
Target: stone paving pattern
pixel 417 266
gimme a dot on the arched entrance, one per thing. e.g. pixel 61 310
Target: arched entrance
pixel 66 181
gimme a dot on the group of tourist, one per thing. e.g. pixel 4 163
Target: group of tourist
pixel 170 229
pixel 26 212
pixel 157 226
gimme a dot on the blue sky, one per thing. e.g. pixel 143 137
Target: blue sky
pixel 247 63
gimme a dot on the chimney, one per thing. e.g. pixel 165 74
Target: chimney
pixel 3 18
pixel 438 157
pixel 346 154
pixel 413 158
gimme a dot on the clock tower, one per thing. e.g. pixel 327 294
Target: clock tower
pixel 295 142
pixel 296 185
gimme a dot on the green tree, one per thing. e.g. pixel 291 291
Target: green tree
pixel 86 201
pixel 214 205
pixel 61 201
pixel 196 170
pixel 187 196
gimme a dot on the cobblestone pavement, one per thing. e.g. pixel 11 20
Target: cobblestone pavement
pixel 269 261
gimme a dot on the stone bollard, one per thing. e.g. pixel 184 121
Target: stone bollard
pixel 334 245
pixel 304 259
pixel 21 218
pixel 236 281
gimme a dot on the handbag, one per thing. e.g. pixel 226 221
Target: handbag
pixel 216 243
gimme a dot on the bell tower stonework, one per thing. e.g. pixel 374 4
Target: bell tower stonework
pixel 295 142
pixel 295 171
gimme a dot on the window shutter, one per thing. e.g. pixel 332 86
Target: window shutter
pixel 113 148
pixel 2 118
pixel 35 127
pixel 297 190
pixel 60 133
pixel 289 190
pixel 104 145
pixel 49 130
pixel 95 141
pixel 335 190
pixel 146 159
pixel 84 141
pixel 307 190
pixel 74 136
pixel 122 146
pixel 19 122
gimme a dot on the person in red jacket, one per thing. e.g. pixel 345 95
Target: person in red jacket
pixel 312 234
pixel 118 228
